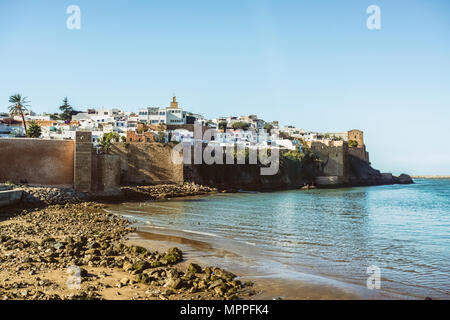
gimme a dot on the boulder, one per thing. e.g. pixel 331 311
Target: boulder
pixel 405 179
pixel 193 268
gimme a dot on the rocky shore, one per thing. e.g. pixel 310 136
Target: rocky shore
pixel 79 251
pixel 160 192
pixel 52 196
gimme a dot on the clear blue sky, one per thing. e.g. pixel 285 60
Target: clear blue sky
pixel 312 64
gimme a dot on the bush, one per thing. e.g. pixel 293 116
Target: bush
pixel 240 125
pixel 223 126
pixel 34 130
pixel 352 143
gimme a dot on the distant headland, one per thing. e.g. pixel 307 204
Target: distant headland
pixel 431 177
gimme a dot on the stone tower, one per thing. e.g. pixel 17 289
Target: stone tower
pixel 174 103
pixel 359 151
pixel 356 135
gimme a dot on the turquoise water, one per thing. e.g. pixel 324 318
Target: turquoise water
pixel 402 229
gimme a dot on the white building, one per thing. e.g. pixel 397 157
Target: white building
pixel 172 115
pixel 182 135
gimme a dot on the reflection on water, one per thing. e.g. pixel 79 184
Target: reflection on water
pixel 404 230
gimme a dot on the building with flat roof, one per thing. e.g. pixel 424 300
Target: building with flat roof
pixel 172 115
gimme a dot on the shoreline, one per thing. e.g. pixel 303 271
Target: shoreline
pixel 430 177
pixel 298 285
pixel 52 195
pixel 265 287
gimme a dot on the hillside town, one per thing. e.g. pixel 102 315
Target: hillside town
pixel 172 123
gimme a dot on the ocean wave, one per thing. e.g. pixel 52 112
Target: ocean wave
pixel 202 233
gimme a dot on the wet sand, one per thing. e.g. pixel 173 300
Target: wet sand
pixel 268 285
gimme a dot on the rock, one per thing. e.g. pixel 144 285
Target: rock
pixel 173 255
pixel 138 250
pixel 228 276
pixel 124 281
pixel 216 283
pixel 93 252
pixel 208 271
pixel 405 179
pixel 83 272
pixel 141 266
pixel 219 291
pixel 59 246
pixel 144 278
pixel 201 285
pixel 194 268
pixel 173 283
pixel 127 266
pixel 248 283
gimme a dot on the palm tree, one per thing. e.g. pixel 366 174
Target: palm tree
pixel 18 107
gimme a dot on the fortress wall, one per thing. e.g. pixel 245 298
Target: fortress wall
pixel 147 163
pixel 37 161
pixel 334 158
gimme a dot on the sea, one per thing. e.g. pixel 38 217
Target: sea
pixel 396 236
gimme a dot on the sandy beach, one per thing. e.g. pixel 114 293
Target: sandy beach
pixel 79 251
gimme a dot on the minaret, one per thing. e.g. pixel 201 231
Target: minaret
pixel 174 103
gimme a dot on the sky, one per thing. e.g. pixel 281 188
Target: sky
pixel 311 64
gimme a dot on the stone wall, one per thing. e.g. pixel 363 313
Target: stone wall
pixel 105 173
pixel 59 163
pixel 83 161
pixel 148 136
pixel 147 163
pixel 333 156
pixel 360 153
pixel 37 161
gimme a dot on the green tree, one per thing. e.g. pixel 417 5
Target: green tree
pixel 268 127
pixel 67 110
pixel 161 133
pixel 18 107
pixel 352 143
pixel 107 139
pixel 223 125
pixel 34 131
pixel 240 125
